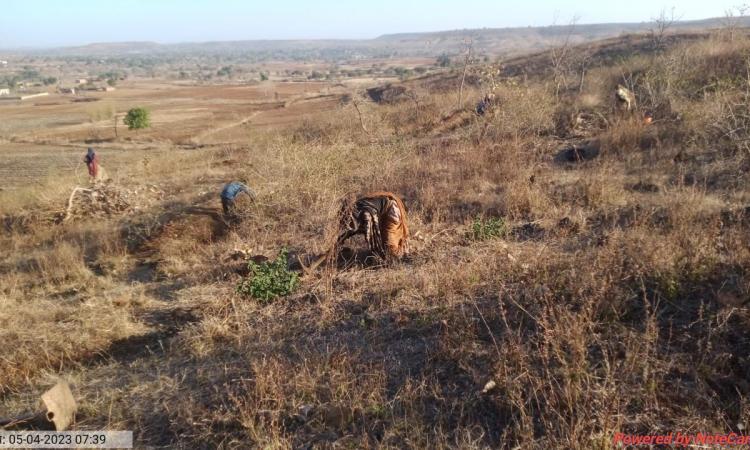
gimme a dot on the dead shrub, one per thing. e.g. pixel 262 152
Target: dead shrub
pixel 315 132
pixel 522 110
pixel 628 135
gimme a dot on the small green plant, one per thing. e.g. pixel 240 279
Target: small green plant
pixel 269 280
pixel 138 118
pixel 669 286
pixel 490 228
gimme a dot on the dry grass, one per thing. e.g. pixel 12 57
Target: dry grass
pixel 616 301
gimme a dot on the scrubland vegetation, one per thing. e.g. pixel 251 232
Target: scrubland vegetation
pixel 547 302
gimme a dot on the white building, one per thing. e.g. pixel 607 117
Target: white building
pixel 4 91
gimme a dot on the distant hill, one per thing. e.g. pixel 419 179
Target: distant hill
pixel 114 47
pixel 520 40
pixel 487 41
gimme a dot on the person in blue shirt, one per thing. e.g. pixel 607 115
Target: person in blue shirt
pixel 230 193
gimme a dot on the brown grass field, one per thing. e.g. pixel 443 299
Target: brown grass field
pixel 599 296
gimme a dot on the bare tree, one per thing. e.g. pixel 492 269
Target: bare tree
pixel 560 57
pixel 414 97
pixel 583 61
pixel 733 20
pixel 469 52
pixel 662 23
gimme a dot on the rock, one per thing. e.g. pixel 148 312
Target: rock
pixel 731 299
pixel 304 411
pixel 387 94
pixel 578 153
pixel 335 416
pixel 236 255
pixel 735 217
pixel 258 259
pixel 349 441
pixel 643 187
pixel 529 231
pixel 566 227
pixel 489 386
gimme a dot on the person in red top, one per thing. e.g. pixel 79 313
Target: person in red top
pixel 92 162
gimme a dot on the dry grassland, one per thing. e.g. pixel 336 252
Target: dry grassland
pixel 609 295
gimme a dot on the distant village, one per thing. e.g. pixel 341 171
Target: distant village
pixel 33 85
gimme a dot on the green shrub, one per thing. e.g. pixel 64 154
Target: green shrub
pixel 669 285
pixel 490 228
pixel 138 118
pixel 269 280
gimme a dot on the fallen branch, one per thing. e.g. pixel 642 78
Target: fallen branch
pixel 76 190
pixel 308 270
pixel 15 421
pixel 361 121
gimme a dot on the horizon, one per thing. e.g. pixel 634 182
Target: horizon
pixel 85 22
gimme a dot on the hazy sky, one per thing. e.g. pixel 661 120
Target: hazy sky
pixel 71 22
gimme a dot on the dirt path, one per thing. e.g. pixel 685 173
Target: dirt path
pixel 267 108
pixel 200 137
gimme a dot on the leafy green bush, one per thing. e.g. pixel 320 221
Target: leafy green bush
pixel 269 280
pixel 490 228
pixel 138 118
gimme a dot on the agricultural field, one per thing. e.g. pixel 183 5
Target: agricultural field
pixel 575 271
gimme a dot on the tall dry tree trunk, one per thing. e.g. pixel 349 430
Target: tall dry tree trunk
pixel 559 58
pixel 467 60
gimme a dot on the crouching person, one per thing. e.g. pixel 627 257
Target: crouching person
pixel 381 218
pixel 229 195
pixel 485 104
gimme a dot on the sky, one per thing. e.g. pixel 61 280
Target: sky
pixel 51 23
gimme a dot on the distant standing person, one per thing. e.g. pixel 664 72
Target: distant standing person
pixel 92 162
pixel 229 195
